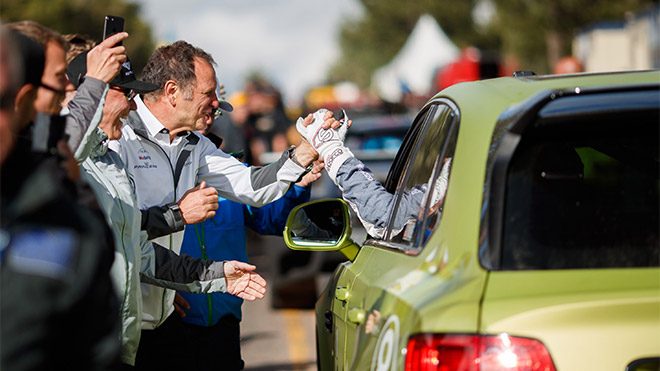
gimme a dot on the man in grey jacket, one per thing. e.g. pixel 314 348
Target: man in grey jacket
pixel 165 156
pixel 136 258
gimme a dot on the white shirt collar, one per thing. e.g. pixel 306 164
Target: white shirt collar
pixel 154 126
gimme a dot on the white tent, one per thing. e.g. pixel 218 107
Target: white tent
pixel 426 49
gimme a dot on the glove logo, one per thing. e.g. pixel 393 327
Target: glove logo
pixel 323 136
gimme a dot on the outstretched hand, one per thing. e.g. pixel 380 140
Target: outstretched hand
pixel 243 282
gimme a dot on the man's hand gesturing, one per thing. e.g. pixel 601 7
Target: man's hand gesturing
pixel 243 282
pixel 198 204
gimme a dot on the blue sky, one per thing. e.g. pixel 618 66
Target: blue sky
pixel 293 42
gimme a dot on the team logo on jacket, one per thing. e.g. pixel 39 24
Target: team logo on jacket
pixel 144 160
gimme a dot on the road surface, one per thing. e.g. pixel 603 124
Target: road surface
pixel 275 340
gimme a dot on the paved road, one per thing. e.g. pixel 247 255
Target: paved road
pixel 275 340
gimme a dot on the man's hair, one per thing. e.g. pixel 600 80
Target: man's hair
pixel 78 44
pixel 174 62
pixel 38 33
pixel 32 56
pixel 11 70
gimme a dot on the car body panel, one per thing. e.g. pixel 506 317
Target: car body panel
pixel 444 288
pixel 579 315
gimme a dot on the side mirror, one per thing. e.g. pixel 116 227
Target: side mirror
pixel 321 225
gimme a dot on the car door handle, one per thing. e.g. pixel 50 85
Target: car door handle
pixel 342 293
pixel 328 321
pixel 356 315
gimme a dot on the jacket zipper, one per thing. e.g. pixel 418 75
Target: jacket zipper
pixel 163 309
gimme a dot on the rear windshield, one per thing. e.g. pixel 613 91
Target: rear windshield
pixel 582 192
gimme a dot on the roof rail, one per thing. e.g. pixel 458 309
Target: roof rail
pixel 524 73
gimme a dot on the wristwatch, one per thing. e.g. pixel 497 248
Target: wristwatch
pixel 176 214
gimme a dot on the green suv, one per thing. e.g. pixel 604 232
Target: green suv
pixel 542 255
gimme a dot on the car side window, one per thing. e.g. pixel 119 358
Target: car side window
pixel 421 190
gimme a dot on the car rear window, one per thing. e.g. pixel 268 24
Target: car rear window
pixel 582 192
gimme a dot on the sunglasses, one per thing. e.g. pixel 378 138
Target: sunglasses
pixel 128 93
pixel 216 112
pixel 54 90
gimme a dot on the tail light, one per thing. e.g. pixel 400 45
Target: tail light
pixel 450 352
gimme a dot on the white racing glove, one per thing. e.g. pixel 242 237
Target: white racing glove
pixel 329 143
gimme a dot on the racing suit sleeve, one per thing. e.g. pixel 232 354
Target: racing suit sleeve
pixel 372 202
pixel 271 219
pixel 255 186
pixel 85 113
pixel 164 268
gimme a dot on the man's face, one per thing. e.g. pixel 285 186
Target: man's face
pixel 116 106
pixel 197 104
pixel 50 96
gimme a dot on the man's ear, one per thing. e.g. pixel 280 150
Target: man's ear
pixel 171 91
pixel 24 103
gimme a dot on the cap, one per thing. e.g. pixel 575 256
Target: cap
pixel 225 105
pixel 77 70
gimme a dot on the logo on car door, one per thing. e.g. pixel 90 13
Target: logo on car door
pixel 386 353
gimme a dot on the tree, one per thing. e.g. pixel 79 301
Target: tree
pixel 85 17
pixel 539 32
pixel 372 41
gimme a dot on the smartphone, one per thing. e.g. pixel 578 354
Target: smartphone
pixel 112 25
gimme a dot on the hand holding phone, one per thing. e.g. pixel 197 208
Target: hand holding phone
pixel 112 25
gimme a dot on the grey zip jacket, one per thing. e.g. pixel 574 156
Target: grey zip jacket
pixel 136 259
pixel 151 161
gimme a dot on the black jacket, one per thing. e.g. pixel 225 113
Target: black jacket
pixel 58 310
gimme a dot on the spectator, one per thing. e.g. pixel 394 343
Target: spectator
pixel 49 94
pixel 231 127
pixel 267 122
pixel 135 256
pixel 77 44
pixel 51 89
pixel 164 156
pixel 57 305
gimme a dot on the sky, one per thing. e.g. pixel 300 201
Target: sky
pixel 292 42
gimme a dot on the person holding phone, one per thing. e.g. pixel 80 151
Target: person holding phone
pixel 136 258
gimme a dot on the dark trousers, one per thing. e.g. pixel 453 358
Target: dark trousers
pixel 178 345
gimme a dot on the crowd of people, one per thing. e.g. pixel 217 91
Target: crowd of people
pixel 100 174
pixel 118 208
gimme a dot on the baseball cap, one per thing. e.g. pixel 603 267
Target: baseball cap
pixel 225 105
pixel 77 70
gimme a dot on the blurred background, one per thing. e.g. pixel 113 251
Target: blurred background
pixel 381 60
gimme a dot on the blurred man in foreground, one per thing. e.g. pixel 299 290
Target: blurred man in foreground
pixel 58 307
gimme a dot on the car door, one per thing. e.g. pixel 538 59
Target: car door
pixel 377 307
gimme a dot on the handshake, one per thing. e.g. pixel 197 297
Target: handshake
pixel 326 135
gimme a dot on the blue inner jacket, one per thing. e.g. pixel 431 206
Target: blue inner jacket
pixel 223 238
